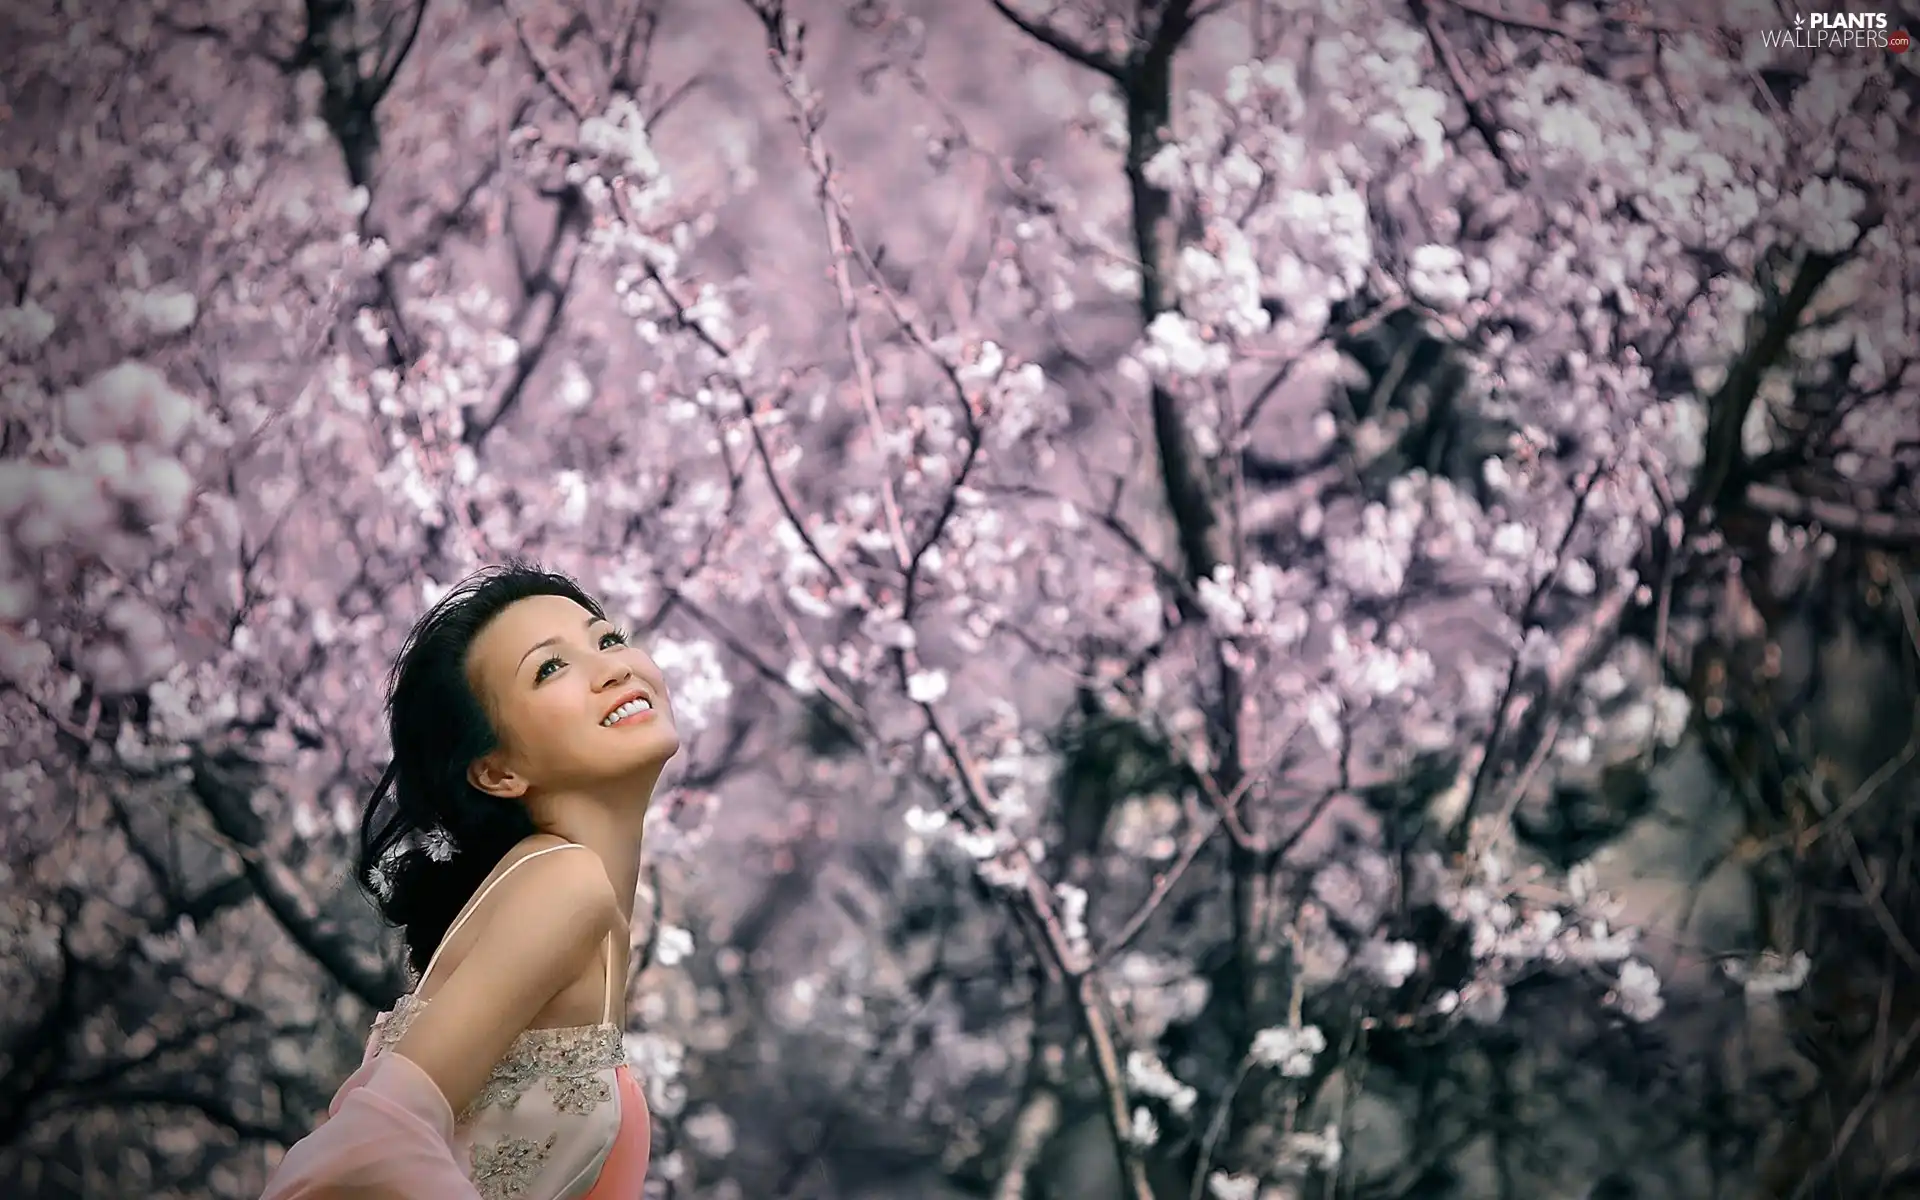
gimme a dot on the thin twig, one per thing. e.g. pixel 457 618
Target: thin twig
pixel 1217 1128
pixel 1163 885
pixel 1062 44
pixel 1514 705
pixel 1857 1117
pixel 1894 531
pixel 784 55
pixel 545 70
pixel 1478 115
pixel 1560 29
pixel 1030 901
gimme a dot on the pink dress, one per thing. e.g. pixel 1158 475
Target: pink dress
pixel 560 1118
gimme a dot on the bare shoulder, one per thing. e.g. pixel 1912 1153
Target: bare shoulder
pixel 538 928
pixel 563 892
pixel 547 907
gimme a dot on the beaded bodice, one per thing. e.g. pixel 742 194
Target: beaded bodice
pixel 547 1115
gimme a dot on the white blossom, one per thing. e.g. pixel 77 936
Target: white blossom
pixel 1148 1076
pixel 1223 1185
pixel 672 945
pixel 700 687
pixel 1291 1051
pixel 927 687
pixel 1638 992
pixel 1770 974
pixel 1438 277
pixel 1175 347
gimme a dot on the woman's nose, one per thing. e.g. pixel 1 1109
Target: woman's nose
pixel 613 670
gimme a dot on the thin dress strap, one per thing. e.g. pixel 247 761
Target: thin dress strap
pixel 473 906
pixel 606 1009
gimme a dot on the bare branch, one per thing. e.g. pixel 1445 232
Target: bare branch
pixel 546 71
pixel 221 790
pixel 394 53
pixel 213 1108
pixel 1163 884
pixel 1512 705
pixel 256 44
pixel 1893 531
pixel 1033 1128
pixel 1727 409
pixel 754 411
pixel 1062 44
pixel 1901 1061
pixel 544 280
pixel 1478 114
pixel 785 56
pixel 1562 30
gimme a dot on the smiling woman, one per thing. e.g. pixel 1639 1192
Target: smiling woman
pixel 528 736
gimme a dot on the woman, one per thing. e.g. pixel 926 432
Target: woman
pixel 528 736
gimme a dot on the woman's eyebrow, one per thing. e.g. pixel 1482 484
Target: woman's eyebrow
pixel 540 645
pixel 554 641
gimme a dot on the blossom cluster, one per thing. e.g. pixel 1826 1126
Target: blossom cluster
pixel 103 502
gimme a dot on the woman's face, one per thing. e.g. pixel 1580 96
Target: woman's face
pixel 575 705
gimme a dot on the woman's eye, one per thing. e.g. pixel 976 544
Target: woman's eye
pixel 547 668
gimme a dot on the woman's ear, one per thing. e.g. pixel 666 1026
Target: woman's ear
pixel 491 775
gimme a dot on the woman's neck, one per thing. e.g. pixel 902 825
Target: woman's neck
pixel 613 834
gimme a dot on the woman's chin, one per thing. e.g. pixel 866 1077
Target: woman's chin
pixel 653 744
pixel 669 738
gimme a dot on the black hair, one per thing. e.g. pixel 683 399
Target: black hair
pixel 428 837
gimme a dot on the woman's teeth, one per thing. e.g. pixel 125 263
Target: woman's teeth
pixel 630 708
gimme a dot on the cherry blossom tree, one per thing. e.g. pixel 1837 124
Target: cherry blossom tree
pixel 1178 557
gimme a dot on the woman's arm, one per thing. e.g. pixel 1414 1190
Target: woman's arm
pixel 541 929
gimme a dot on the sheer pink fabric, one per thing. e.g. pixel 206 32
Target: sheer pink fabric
pixel 388 1136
